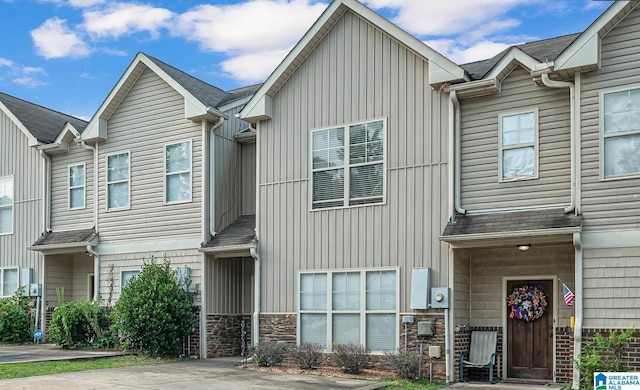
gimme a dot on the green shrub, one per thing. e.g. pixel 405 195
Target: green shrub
pixel 353 358
pixel 78 324
pixel 602 354
pixel 307 355
pixel 154 312
pixel 405 364
pixel 269 353
pixel 15 319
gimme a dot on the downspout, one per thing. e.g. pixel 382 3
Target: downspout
pixel 577 330
pixel 578 140
pixel 255 318
pixel 212 181
pixel 206 156
pixel 565 84
pixel 46 185
pixel 96 272
pixel 95 183
pixel 455 133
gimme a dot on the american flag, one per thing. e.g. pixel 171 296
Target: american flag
pixel 569 296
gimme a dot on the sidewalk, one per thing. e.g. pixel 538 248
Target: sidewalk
pixel 42 352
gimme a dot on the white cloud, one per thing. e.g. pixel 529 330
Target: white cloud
pixel 84 3
pixel 20 74
pixel 462 54
pixel 53 39
pixel 253 67
pixel 118 19
pixel 28 82
pixel 5 62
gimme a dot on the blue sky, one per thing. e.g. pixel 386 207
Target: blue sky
pixel 68 54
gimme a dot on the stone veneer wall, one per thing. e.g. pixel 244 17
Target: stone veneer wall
pixel 224 334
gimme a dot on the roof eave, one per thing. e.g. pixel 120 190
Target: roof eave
pixel 511 234
pixel 228 248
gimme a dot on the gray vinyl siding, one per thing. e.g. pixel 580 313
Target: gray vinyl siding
pixel 150 116
pixel 59 277
pixel 26 166
pixel 248 174
pixel 82 267
pixel 611 294
pixel 62 218
pixel 356 73
pixel 489 266
pixel 480 186
pixel 461 286
pixel 611 204
pixel 112 265
pixel 231 285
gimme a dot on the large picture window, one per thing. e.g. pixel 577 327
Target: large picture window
pixel 118 176
pixel 8 281
pixel 348 165
pixel 178 172
pixel 344 307
pixel 518 138
pixel 6 205
pixel 620 116
pixel 76 186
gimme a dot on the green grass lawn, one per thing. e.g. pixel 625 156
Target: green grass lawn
pixel 21 370
pixel 422 384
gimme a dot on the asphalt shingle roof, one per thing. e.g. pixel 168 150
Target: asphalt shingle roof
pixel 511 222
pixel 66 237
pixel 43 123
pixel 240 232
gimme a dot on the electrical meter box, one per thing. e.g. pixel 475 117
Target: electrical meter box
pixel 35 290
pixel 440 298
pixel 425 328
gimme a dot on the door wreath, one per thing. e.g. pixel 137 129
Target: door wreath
pixel 527 303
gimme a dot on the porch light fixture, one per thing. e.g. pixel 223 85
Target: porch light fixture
pixel 524 247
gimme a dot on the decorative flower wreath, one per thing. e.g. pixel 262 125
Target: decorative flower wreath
pixel 527 303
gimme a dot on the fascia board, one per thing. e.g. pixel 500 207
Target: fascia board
pixel 514 54
pixel 32 140
pixel 235 103
pixel 513 234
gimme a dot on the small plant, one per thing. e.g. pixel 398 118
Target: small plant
pixel 406 364
pixel 78 323
pixel 602 354
pixel 269 353
pixel 353 358
pixel 14 318
pixel 307 355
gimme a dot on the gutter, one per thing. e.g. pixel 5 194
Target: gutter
pixel 46 187
pixel 212 178
pixel 455 133
pixel 512 234
pixel 95 179
pixel 572 102
pixel 577 330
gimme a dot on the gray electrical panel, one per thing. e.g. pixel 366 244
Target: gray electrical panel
pixel 425 328
pixel 420 286
pixel 26 276
pixel 440 297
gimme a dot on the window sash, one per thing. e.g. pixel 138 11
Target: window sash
pixel 118 180
pixel 77 185
pixel 518 145
pixel 126 275
pixel 620 129
pixel 9 281
pixel 6 205
pixel 178 172
pixel 348 165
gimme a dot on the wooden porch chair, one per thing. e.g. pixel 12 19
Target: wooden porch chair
pixel 482 352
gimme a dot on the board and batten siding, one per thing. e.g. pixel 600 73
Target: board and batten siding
pixel 26 166
pixel 610 204
pixel 489 266
pixel 231 287
pixel 150 116
pixel 62 218
pixel 356 73
pixel 248 178
pixel 611 294
pixel 480 187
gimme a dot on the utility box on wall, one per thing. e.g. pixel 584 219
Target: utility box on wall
pixel 440 297
pixel 425 328
pixel 420 286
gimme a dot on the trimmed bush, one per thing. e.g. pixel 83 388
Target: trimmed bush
pixel 307 355
pixel 78 324
pixel 353 358
pixel 155 312
pixel 602 354
pixel 14 319
pixel 405 364
pixel 269 353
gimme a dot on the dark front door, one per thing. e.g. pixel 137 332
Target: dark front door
pixel 530 343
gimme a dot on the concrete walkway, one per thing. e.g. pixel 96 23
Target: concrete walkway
pixel 43 352
pixel 502 386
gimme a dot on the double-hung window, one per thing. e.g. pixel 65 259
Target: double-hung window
pixel 348 166
pixel 354 306
pixel 178 172
pixel 620 134
pixel 8 281
pixel 6 205
pixel 518 141
pixel 118 178
pixel 126 275
pixel 76 186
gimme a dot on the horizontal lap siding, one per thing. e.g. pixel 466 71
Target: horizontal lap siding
pixel 461 286
pixel 356 73
pixel 61 217
pixel 24 163
pixel 611 294
pixel 59 277
pixel 480 189
pixel 613 204
pixel 489 266
pixel 149 117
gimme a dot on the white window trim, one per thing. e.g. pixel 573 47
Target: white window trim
pixel 12 205
pixel 535 144
pixel 347 165
pixel 2 269
pixel 190 171
pixel 602 135
pixel 363 302
pixel 122 271
pixel 107 182
pixel 83 186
